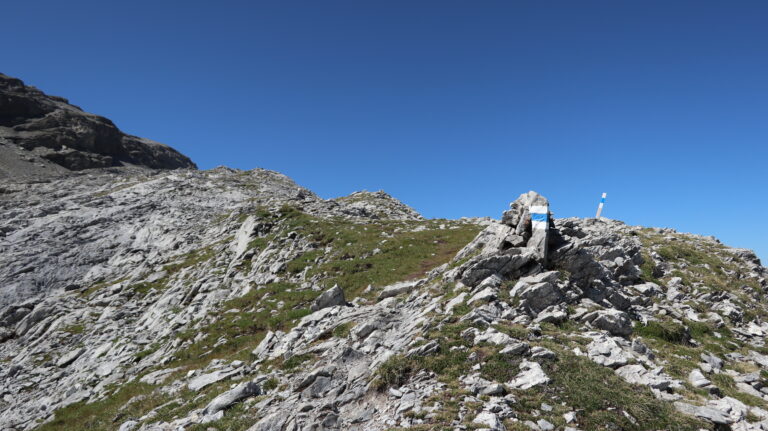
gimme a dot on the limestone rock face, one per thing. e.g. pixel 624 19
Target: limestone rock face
pixel 201 299
pixel 42 135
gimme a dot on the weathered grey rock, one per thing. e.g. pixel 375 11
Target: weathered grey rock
pixel 545 425
pixel 704 412
pixel 516 349
pixel 614 321
pixel 713 361
pixel 364 330
pixel 38 314
pixel 244 236
pixel 159 376
pixel 330 298
pixel 506 266
pixel 538 292
pixel 529 216
pixel 128 425
pixel 266 343
pixel 453 303
pixel 429 348
pixel 607 352
pixel 69 357
pixel 201 381
pixel 492 336
pixel 552 314
pixel 697 379
pixel 6 334
pixel 489 420
pixel 142 303
pixel 324 371
pixel 539 352
pixel 531 374
pixel 319 387
pixel 648 289
pixel 655 378
pixel 225 400
pixel 493 390
pixel 398 289
pixel 748 389
pixel 486 294
pixel 272 422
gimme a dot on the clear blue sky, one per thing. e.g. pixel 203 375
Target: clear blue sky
pixel 454 107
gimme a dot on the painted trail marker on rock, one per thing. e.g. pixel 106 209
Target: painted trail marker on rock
pixel 539 216
pixel 539 228
pixel 600 207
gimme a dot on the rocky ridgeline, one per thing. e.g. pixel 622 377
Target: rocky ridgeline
pixel 224 299
pixel 43 136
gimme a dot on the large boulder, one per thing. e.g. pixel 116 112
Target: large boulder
pixel 500 265
pixel 331 297
pixel 223 401
pixel 538 292
pixel 530 217
pixel 614 321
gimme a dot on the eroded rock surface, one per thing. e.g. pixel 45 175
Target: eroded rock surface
pixel 44 136
pixel 224 298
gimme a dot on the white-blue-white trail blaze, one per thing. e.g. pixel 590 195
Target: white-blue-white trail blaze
pixel 600 207
pixel 539 216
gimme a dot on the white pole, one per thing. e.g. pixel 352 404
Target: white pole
pixel 600 207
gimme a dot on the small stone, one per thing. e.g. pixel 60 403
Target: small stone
pixel 545 425
pixel 531 375
pixel 697 379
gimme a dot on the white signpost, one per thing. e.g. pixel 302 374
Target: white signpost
pixel 600 207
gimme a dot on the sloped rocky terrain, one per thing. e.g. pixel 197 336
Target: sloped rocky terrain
pixel 135 297
pixel 44 136
pixel 238 300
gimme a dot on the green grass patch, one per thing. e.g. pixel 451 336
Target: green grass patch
pixel 270 384
pixel 192 258
pixel 154 347
pixel 663 330
pixel 98 286
pixel 243 330
pixel 76 328
pixel 236 418
pixel 295 361
pixel 107 414
pixel 447 364
pixel 600 397
pixel 343 330
pixel 402 252
pixel 646 269
pixel 728 386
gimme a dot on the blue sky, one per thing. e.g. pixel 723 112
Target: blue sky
pixel 454 107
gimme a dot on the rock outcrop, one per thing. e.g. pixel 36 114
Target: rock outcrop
pixel 165 300
pixel 43 136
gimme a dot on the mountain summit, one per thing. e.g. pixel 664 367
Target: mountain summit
pixel 42 135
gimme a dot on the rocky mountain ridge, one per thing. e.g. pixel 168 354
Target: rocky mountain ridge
pixel 226 299
pixel 44 136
